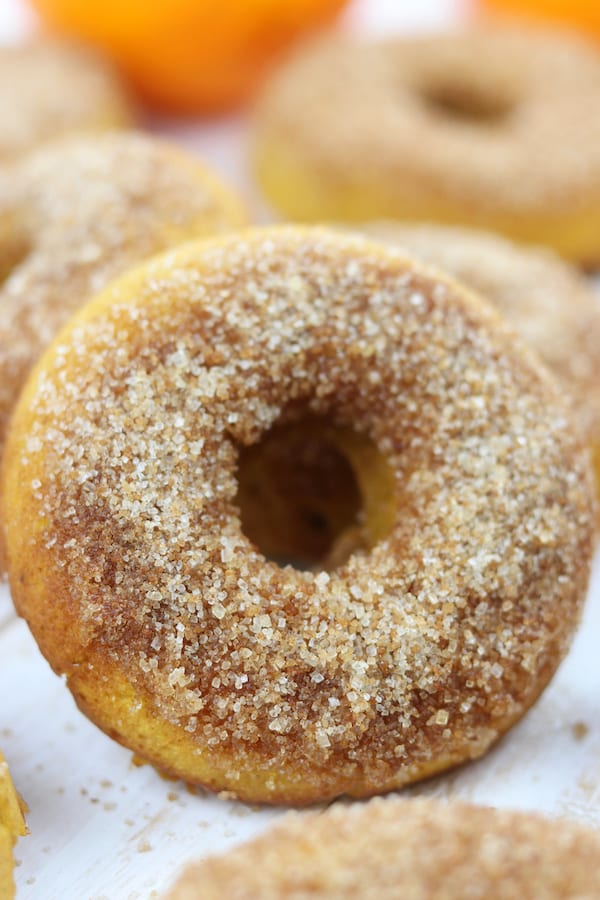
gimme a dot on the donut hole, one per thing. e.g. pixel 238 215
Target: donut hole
pixel 311 493
pixel 467 101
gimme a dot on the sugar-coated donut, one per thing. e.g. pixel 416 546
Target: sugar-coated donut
pixel 418 849
pixel 549 303
pixel 77 213
pixel 126 494
pixel 12 826
pixel 487 128
pixel 50 88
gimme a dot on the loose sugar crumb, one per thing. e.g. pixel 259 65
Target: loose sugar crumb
pixel 580 731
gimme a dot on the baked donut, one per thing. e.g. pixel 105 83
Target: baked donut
pixel 12 826
pixel 489 128
pixel 422 849
pixel 77 213
pixel 50 88
pixel 550 304
pixel 128 493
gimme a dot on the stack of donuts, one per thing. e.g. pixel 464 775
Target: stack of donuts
pixel 308 510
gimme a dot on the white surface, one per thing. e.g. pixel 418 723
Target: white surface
pixel 102 828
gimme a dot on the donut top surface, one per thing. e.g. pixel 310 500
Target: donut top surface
pixel 120 481
pixel 80 211
pixel 499 120
pixel 549 303
pixel 418 849
pixel 49 88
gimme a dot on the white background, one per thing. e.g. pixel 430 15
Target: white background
pixel 103 828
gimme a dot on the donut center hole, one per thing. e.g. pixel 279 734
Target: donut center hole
pixel 472 103
pixel 311 494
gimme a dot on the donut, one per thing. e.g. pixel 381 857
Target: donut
pixel 486 128
pixel 423 849
pixel 50 88
pixel 12 826
pixel 80 211
pixel 547 301
pixel 129 488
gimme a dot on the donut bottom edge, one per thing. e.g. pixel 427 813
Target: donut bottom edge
pixel 109 700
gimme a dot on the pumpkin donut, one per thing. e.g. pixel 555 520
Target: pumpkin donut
pixel 550 304
pixel 12 826
pixel 50 88
pixel 79 212
pixel 487 128
pixel 130 474
pixel 422 849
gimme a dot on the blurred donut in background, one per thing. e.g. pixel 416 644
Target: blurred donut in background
pixel 419 849
pixel 548 302
pixel 492 128
pixel 50 88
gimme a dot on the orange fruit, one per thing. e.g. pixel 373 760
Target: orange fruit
pixel 581 14
pixel 190 56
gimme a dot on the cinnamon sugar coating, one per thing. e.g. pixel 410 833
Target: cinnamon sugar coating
pixel 487 127
pixel 76 214
pixel 50 88
pixel 177 636
pixel 547 301
pixel 417 849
